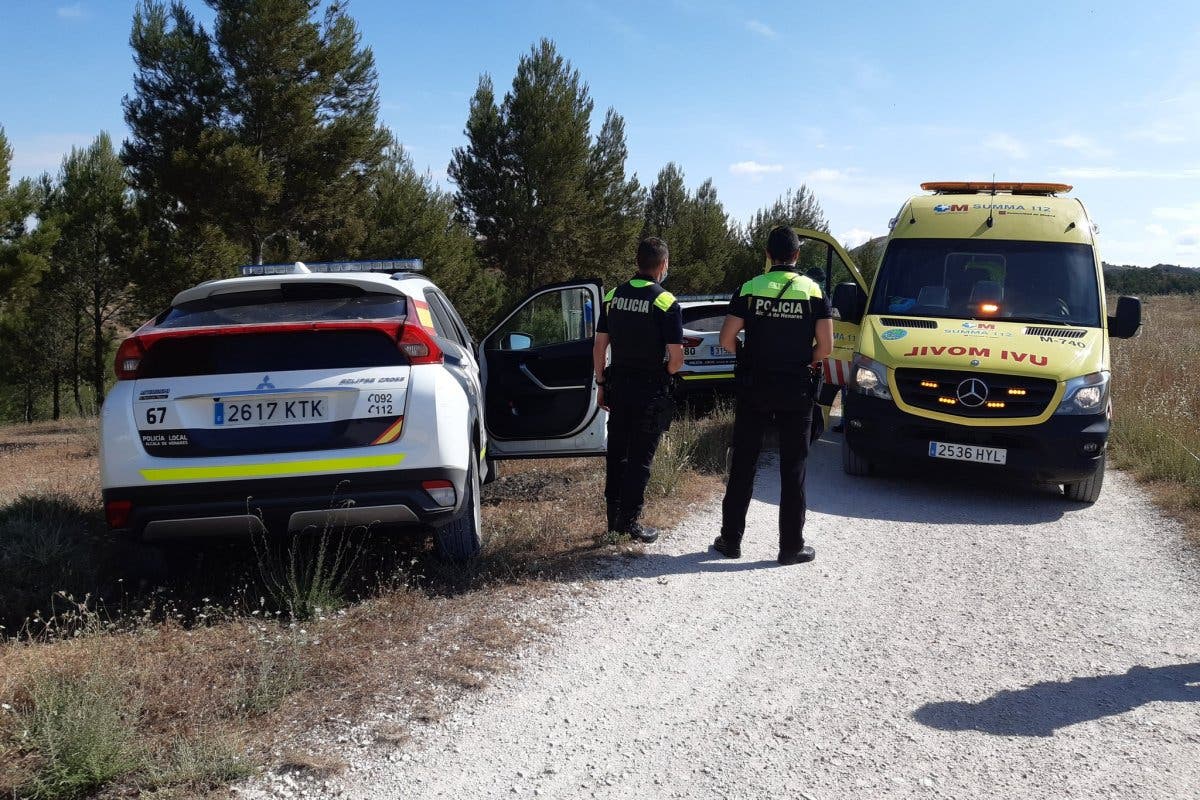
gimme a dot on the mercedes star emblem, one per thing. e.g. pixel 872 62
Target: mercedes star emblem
pixel 972 392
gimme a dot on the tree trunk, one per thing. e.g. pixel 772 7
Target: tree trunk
pixel 57 393
pixel 76 349
pixel 97 347
pixel 28 402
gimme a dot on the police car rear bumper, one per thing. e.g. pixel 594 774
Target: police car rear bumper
pixel 243 507
pixel 1063 449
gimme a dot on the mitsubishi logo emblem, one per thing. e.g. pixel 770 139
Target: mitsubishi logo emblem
pixel 972 392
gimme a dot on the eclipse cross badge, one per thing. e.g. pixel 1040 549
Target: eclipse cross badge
pixel 972 392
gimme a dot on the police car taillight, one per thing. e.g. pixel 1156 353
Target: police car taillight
pixel 442 492
pixel 419 346
pixel 116 513
pixel 692 341
pixel 129 359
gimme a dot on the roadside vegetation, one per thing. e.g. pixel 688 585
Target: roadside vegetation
pixel 175 688
pixel 1156 397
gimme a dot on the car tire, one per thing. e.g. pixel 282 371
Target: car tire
pixel 852 462
pixel 1088 489
pixel 462 538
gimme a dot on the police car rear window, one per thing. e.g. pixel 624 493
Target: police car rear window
pixel 704 319
pixel 308 302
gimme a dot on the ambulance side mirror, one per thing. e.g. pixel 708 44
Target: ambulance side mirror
pixel 849 302
pixel 1127 322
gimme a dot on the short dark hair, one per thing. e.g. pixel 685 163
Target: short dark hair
pixel 651 253
pixel 783 245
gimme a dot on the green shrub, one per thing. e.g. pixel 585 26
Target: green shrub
pixel 82 733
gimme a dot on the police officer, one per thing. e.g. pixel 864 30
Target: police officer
pixel 789 333
pixel 643 324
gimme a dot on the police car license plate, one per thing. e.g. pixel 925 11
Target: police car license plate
pixel 716 350
pixel 967 452
pixel 270 411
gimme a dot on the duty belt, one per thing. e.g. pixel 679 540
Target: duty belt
pixel 639 377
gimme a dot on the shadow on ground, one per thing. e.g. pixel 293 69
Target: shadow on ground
pixel 1044 708
pixel 926 494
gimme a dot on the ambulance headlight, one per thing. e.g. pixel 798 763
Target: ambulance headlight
pixel 870 378
pixel 1087 394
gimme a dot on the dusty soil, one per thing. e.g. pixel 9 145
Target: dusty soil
pixel 954 639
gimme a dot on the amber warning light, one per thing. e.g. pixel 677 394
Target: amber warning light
pixel 989 308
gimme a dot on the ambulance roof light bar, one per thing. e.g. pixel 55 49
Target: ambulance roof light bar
pixel 986 187
pixel 325 267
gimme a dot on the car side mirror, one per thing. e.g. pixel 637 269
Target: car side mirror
pixel 516 341
pixel 850 302
pixel 1127 322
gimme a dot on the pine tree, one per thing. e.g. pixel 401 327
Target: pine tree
pixel 696 229
pixel 265 128
pixel 546 202
pixel 93 211
pixel 799 209
pixel 25 362
pixel 407 217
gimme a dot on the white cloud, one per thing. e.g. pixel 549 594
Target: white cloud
pixel 1157 231
pixel 74 11
pixel 1188 239
pixel 1179 213
pixel 1160 132
pixel 826 175
pixel 754 168
pixel 1083 145
pixel 855 236
pixel 1005 145
pixel 761 28
pixel 1117 173
pixel 45 152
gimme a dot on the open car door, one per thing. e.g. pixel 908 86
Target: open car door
pixel 820 251
pixel 539 398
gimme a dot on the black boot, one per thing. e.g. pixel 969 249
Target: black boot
pixel 614 517
pixel 728 547
pixel 640 533
pixel 801 556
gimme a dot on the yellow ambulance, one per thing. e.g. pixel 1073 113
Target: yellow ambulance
pixel 984 338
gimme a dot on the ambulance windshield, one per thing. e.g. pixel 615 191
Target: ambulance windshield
pixel 1046 282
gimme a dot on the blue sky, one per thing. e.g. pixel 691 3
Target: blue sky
pixel 861 101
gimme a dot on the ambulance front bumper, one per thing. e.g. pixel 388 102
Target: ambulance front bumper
pixel 1063 449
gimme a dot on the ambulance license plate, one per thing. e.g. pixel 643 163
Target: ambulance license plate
pixel 968 452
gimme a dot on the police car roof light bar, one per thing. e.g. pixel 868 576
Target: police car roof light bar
pixel 327 267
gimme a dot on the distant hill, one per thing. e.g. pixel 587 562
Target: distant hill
pixel 1159 279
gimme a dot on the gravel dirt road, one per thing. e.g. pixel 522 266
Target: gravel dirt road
pixel 949 642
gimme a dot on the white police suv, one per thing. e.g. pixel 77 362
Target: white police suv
pixel 345 393
pixel 707 365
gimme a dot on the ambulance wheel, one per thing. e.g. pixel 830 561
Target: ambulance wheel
pixel 1088 489
pixel 462 539
pixel 852 462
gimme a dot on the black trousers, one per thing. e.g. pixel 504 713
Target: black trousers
pixel 789 404
pixel 639 412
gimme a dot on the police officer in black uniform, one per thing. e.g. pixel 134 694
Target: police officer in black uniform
pixel 643 324
pixel 789 332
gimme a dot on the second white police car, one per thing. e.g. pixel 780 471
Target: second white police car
pixel 346 393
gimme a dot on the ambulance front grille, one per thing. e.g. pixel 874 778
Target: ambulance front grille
pixel 1058 333
pixel 900 322
pixel 1006 396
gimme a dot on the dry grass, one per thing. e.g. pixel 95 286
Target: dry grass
pixel 1156 397
pixel 199 691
